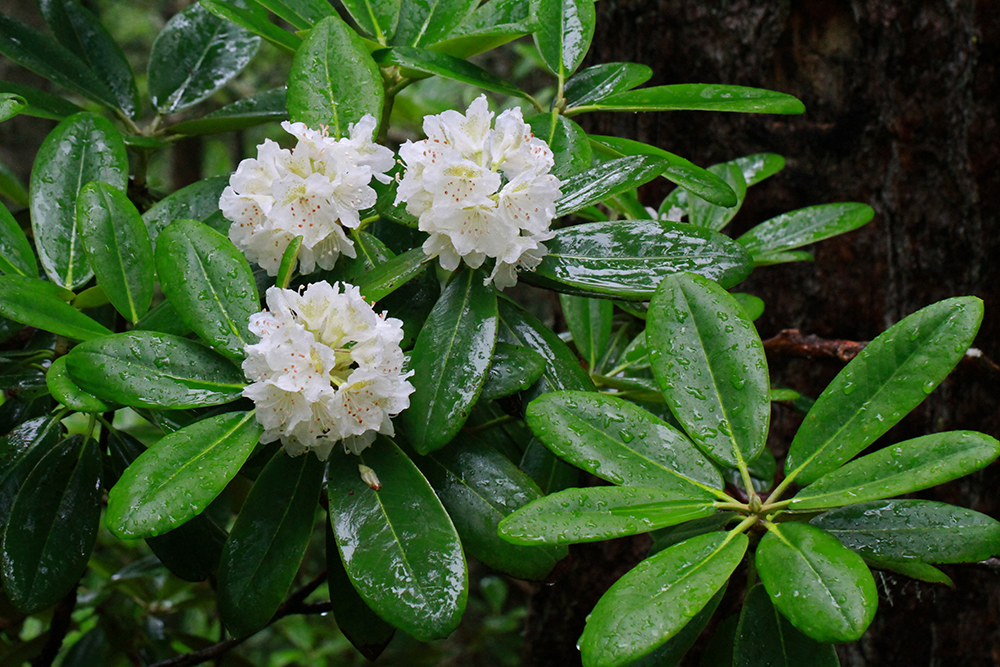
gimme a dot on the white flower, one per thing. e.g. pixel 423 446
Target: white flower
pixel 673 214
pixel 312 191
pixel 480 191
pixel 327 368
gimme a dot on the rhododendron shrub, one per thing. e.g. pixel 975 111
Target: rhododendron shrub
pixel 339 334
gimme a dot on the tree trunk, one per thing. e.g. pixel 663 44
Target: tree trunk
pixel 903 113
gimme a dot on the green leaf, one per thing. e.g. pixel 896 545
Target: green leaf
pixel 31 301
pixel 20 452
pixel 771 259
pixel 697 97
pixel 264 107
pixel 302 14
pixel 431 62
pixel 599 81
pixel 707 214
pixel 83 148
pixel 193 202
pixel 568 142
pixel 607 180
pixel 377 18
pixel 710 365
pixel 512 369
pixel 479 487
pixel 492 24
pixel 47 58
pixel 654 601
pixel 671 653
pixel 825 590
pixel 426 22
pixel 765 637
pixel 921 530
pixel 603 513
pixel 891 376
pixel 148 369
pixel 719 651
pixel 589 320
pixel 210 284
pixel 177 478
pixel 15 251
pixel 334 81
pixel 117 247
pixel 268 541
pixel 620 442
pixel 752 306
pixel 759 166
pixel 450 360
pixel 11 105
pixel 901 468
pixel 11 186
pixel 627 259
pixel 194 55
pixel 53 525
pixel 563 31
pixel 82 33
pixel 910 568
pixel 41 104
pixel 384 279
pixel 397 543
pixel 355 619
pixel 164 318
pixel 804 226
pixel 255 23
pixel 64 390
pixel 668 537
pixel 701 182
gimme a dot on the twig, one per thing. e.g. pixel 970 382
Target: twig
pixel 58 627
pixel 293 605
pixel 794 343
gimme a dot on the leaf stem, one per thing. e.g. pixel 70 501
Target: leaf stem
pixel 739 507
pixel 499 421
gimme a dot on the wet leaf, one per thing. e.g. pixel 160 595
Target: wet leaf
pixel 431 62
pixel 64 390
pixel 512 369
pixel 759 166
pixel 912 569
pixel 34 302
pixel 426 22
pixel 570 146
pixel 765 637
pixel 20 452
pixel 254 23
pixel 15 251
pixel 563 31
pixel 377 18
pixel 607 180
pixel 492 24
pixel 589 320
pixel 698 97
pixel 804 226
pixel 303 14
pixel 597 82
pixel 671 653
pixel 11 105
pixel 193 202
pixel 264 107
pixel 705 213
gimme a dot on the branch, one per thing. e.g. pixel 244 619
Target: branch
pixel 794 343
pixel 58 627
pixel 295 604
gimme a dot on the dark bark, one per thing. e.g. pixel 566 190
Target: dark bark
pixel 903 113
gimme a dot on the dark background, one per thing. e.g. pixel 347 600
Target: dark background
pixel 902 113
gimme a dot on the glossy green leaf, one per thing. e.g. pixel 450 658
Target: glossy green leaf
pixel 117 246
pixel 426 22
pixel 31 301
pixel 15 251
pixel 589 320
pixel 753 307
pixel 597 82
pixel 710 365
pixel 355 619
pixel 65 391
pixel 177 478
pixel 563 31
pixel 804 226
pixel 53 525
pixel 302 14
pixel 450 360
pixel 42 55
pixel 148 369
pixel 901 468
pixel 921 530
pixel 254 23
pixel 706 213
pixel 719 651
pixel 194 55
pixel 512 369
pixel 210 284
pixel 11 105
pixel 607 180
pixel 771 259
pixel 40 103
pixel 675 648
pixel 891 376
pixel 603 513
pixel 759 166
pixel 627 259
pixel 83 148
pixel 701 182
pixel 193 202
pixel 11 186
pixel 824 589
pixel 267 542
pixel 910 568
pixel 431 62
pixel 334 81
pixel 698 97
pixel 397 544
pixel 570 146
pixel 654 601
pixel 479 487
pixel 765 637
pixel 75 28
pixel 264 107
pixel 562 368
pixel 377 18
pixel 163 317
pixel 492 24
pixel 20 452
pixel 668 537
pixel 620 442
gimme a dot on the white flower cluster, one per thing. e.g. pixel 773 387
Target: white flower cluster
pixel 312 191
pixel 327 368
pixel 480 191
